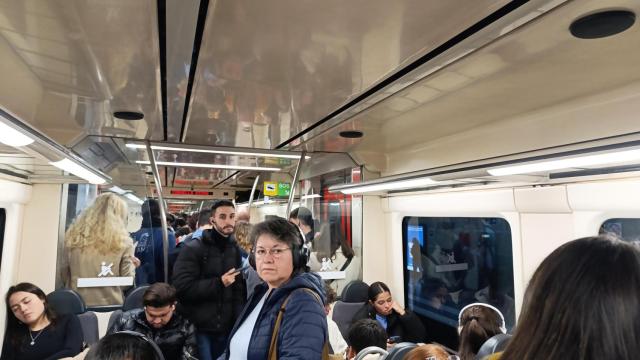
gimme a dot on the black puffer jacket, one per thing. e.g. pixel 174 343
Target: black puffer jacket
pixel 177 339
pixel 407 326
pixel 197 277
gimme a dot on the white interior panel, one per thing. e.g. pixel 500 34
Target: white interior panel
pixel 375 248
pixel 551 199
pixel 39 245
pixel 612 195
pixel 463 202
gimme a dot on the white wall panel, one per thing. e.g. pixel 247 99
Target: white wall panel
pixel 375 248
pixel 462 202
pixel 614 195
pixel 38 248
pixel 550 199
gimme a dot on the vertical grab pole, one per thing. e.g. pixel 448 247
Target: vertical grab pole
pixel 296 175
pixel 163 213
pixel 253 190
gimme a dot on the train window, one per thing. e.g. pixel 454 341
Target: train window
pixel 3 217
pixel 452 262
pixel 627 229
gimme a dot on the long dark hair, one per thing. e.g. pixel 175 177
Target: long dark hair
pixel 478 323
pixel 16 330
pixel 582 303
pixel 151 216
pixel 330 241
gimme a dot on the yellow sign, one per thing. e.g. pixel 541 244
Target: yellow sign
pixel 270 188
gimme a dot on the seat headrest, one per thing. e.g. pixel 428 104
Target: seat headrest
pixel 371 350
pixel 493 345
pixel 355 291
pixel 134 299
pixel 399 350
pixel 66 301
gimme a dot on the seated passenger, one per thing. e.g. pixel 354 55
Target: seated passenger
pixel 363 334
pixel 393 318
pixel 34 331
pixel 123 346
pixel 477 323
pixel 581 303
pixel 98 245
pixel 158 321
pixel 338 345
pixel 289 293
pixel 428 351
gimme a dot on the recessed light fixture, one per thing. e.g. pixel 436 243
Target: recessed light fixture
pixel 209 166
pixel 223 152
pixel 390 185
pixel 12 137
pixel 128 115
pixel 567 163
pixel 79 171
pixel 602 24
pixel 351 134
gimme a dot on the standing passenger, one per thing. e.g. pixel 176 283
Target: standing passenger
pixel 98 246
pixel 289 291
pixel 304 219
pixel 149 247
pixel 210 292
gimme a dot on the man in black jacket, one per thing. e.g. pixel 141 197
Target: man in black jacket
pixel 210 291
pixel 174 335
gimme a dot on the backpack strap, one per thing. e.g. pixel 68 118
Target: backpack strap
pixel 273 346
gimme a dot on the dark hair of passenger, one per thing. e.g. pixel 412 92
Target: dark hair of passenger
pixel 192 222
pixel 330 240
pixel 182 231
pixel 478 323
pixel 122 346
pixel 376 289
pixel 427 351
pixel 15 329
pixel 582 303
pixel 330 295
pixel 304 215
pixel 151 214
pixel 366 332
pixel 221 203
pixel 180 222
pixel 204 217
pixel 283 231
pixel 159 295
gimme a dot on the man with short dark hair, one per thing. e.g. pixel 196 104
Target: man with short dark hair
pixel 304 219
pixel 211 293
pixel 364 333
pixel 158 321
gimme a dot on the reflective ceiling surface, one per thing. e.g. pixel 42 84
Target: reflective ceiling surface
pixel 538 66
pixel 73 63
pixel 269 69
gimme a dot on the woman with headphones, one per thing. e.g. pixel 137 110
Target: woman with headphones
pixel 477 323
pixel 284 318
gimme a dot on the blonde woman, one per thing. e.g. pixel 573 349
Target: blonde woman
pixel 98 246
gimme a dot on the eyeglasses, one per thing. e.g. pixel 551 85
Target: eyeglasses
pixel 275 252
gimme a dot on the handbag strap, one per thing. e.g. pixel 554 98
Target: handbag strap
pixel 273 346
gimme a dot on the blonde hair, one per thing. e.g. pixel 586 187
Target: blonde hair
pixel 242 235
pixel 428 351
pixel 101 226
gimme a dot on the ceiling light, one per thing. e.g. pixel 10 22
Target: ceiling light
pixel 575 162
pixel 224 152
pixel 312 196
pixel 392 185
pixel 117 190
pixel 134 198
pixel 209 166
pixel 79 171
pixel 12 137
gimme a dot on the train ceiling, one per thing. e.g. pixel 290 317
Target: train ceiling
pixel 437 83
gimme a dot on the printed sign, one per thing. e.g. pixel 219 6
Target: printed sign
pixel 284 189
pixel 270 188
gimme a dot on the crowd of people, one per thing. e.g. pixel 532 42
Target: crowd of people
pixel 238 290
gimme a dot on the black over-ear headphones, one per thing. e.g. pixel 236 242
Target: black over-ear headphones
pixel 300 252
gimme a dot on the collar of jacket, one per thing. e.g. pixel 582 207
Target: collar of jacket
pixel 212 236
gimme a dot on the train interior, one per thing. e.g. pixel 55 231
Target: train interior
pixel 453 145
